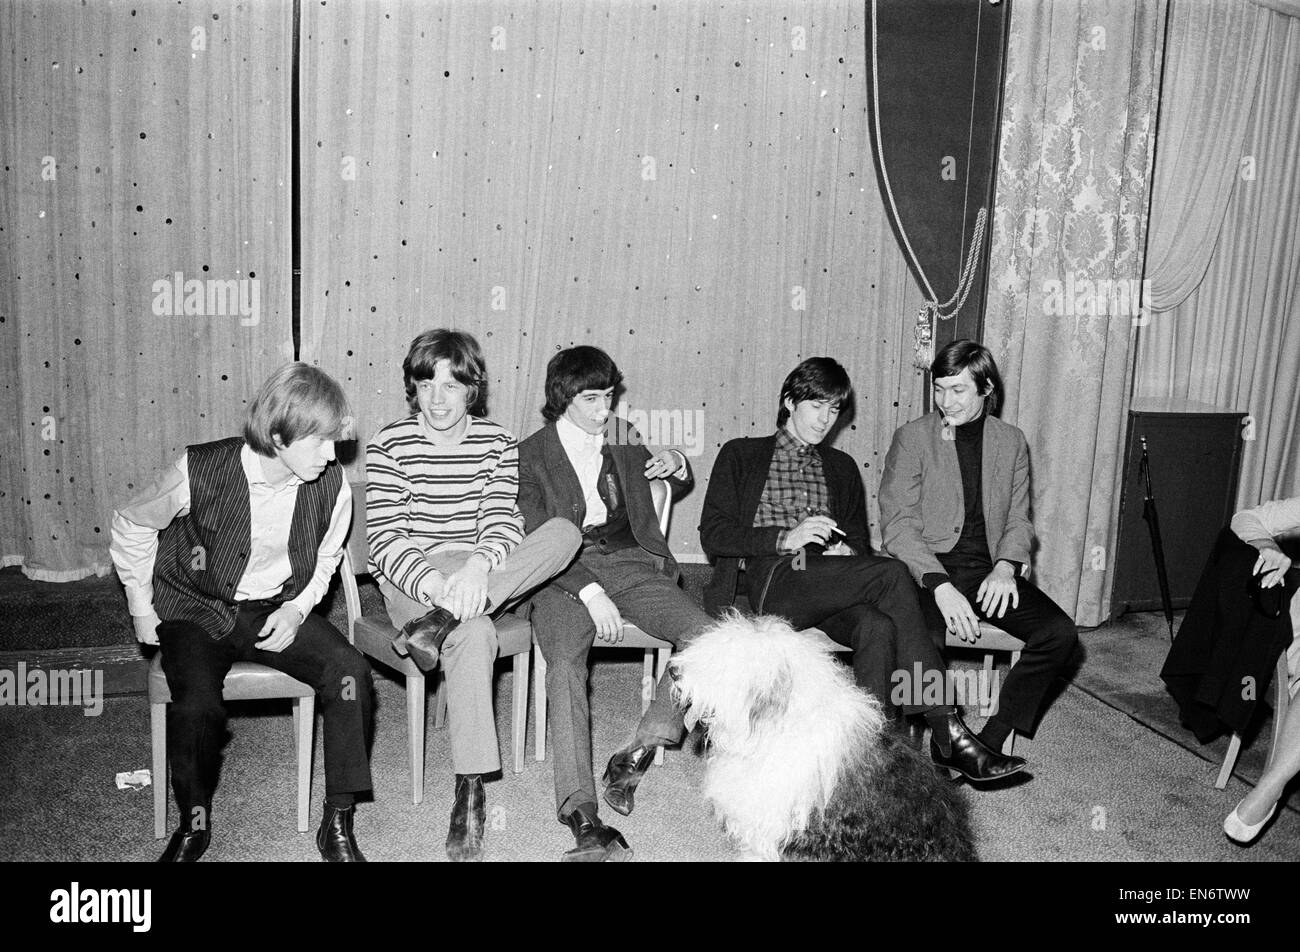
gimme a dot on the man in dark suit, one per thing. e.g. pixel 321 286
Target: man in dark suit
pixel 954 506
pixel 581 468
pixel 794 511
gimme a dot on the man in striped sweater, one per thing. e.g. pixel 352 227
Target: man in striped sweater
pixel 448 549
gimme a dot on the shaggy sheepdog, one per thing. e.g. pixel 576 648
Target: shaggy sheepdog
pixel 801 765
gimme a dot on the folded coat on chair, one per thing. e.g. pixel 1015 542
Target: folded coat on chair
pixel 1223 641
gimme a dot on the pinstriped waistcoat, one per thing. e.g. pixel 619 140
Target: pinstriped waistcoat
pixel 202 555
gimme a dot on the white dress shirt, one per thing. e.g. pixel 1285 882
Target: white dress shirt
pixel 584 452
pixel 136 525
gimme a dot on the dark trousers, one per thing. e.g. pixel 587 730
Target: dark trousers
pixel 865 602
pixel 196 665
pixel 648 599
pixel 1049 635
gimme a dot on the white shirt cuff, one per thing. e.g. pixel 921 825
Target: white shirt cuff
pixel 590 591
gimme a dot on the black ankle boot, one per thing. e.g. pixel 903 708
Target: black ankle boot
pixel 334 839
pixel 623 773
pixel 186 846
pixel 468 815
pixel 594 841
pixel 422 637
pixel 954 747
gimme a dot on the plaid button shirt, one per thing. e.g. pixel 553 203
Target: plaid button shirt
pixel 795 488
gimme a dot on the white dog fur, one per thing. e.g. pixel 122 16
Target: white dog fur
pixel 786 728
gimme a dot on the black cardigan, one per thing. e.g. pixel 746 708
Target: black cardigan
pixel 727 530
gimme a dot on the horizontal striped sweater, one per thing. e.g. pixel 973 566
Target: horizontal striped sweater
pixel 420 496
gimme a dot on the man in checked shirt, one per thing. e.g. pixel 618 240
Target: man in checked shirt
pixel 794 513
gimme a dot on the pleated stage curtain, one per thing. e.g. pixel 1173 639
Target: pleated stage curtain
pixel 1235 340
pixel 686 185
pixel 145 145
pixel 1077 134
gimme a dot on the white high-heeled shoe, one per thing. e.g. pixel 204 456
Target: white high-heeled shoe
pixel 1241 831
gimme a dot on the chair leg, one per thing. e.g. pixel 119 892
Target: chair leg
pixel 415 733
pixel 663 655
pixel 158 739
pixel 647 679
pixel 988 674
pixel 1009 745
pixel 304 722
pixel 1281 700
pixel 440 702
pixel 1229 761
pixel 539 704
pixel 519 710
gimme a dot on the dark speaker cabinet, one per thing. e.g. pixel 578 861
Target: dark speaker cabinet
pixel 1195 454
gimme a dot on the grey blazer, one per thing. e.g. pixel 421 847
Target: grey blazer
pixel 921 505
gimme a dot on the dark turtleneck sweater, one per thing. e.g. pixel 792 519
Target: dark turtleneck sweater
pixel 970 556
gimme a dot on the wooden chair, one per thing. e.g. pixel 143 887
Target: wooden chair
pixel 991 639
pixel 373 636
pixel 1281 700
pixel 246 681
pixel 657 651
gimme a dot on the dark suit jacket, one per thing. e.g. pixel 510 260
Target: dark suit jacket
pixel 1223 640
pixel 921 504
pixel 735 488
pixel 549 487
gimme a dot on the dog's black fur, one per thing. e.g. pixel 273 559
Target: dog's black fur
pixel 892 805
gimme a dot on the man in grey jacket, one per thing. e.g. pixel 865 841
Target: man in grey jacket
pixel 954 506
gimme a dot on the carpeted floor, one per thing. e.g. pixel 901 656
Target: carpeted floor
pixel 1103 788
pixel 1124 672
pixel 1114 776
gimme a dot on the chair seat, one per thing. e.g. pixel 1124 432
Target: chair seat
pixel 514 635
pixel 374 636
pixel 992 638
pixel 246 681
pixel 634 637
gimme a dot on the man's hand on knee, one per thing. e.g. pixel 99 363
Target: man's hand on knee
pixel 605 615
pixel 957 612
pixel 465 593
pixel 280 629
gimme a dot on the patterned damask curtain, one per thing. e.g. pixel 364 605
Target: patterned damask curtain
pixel 1071 211
pixel 1235 340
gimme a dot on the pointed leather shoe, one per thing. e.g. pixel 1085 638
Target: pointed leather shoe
pixel 422 637
pixel 186 846
pixel 623 773
pixel 468 813
pixel 334 839
pixel 596 842
pixel 966 756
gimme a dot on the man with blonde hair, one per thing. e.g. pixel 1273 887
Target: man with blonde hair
pixel 223 559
